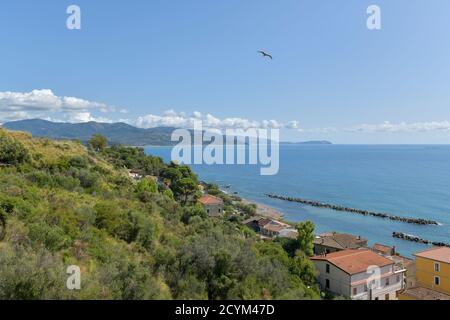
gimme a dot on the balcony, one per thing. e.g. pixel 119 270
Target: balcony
pixel 380 292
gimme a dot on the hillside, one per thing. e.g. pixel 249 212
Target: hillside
pixel 116 133
pixel 62 204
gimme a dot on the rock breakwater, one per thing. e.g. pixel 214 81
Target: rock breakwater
pixel 408 237
pixel 381 215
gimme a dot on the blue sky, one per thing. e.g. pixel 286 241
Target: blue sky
pixel 339 80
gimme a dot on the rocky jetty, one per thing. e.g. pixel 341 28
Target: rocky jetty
pixel 408 237
pixel 381 215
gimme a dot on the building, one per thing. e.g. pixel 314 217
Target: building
pixel 289 233
pixel 432 276
pixel 383 249
pixel 400 262
pixel 212 205
pixel 410 267
pixel 273 228
pixel 360 274
pixel 256 223
pixel 333 242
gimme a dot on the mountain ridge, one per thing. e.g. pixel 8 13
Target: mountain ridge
pixel 116 133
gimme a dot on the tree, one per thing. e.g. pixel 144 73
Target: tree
pixel 171 175
pixel 303 268
pixel 147 185
pixel 98 142
pixel 306 237
pixel 185 188
pixel 12 152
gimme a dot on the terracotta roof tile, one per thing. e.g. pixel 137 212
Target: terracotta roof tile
pixel 208 199
pixel 354 261
pixel 422 293
pixel 340 241
pixel 383 248
pixel 441 254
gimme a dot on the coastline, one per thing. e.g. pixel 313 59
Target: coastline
pixel 261 209
pixel 265 210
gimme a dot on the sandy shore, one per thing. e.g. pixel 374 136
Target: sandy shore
pixel 261 209
pixel 264 210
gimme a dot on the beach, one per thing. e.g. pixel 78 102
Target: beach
pixel 265 210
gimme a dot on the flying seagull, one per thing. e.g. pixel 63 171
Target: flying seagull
pixel 264 54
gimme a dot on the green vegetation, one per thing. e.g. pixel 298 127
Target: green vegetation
pixel 98 142
pixel 12 152
pixel 306 237
pixel 62 204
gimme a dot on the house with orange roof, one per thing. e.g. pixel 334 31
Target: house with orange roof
pixel 359 274
pixel 432 276
pixel 213 205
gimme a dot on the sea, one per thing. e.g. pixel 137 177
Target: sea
pixel 403 180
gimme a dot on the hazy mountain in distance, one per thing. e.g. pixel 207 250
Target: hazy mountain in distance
pixel 116 133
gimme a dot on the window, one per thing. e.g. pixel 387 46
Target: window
pixel 437 281
pixel 327 284
pixel 219 210
pixel 366 288
pixel 386 297
pixel 207 210
pixel 437 267
pixel 387 281
pixel 398 278
pixel 327 268
pixel 355 291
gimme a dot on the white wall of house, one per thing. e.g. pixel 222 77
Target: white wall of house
pixel 339 280
pixel 344 284
pixel 214 210
pixel 389 284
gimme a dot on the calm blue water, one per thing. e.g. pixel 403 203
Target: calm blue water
pixel 403 180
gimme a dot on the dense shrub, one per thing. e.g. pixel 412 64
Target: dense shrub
pixel 11 151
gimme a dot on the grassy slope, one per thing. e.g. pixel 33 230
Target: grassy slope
pixel 66 205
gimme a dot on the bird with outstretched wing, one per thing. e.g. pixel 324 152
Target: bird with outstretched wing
pixel 265 55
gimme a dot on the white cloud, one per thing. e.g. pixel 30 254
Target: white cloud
pixel 386 127
pixel 325 130
pixel 76 117
pixel 44 100
pixel 45 104
pixel 443 126
pixel 11 116
pixel 172 118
